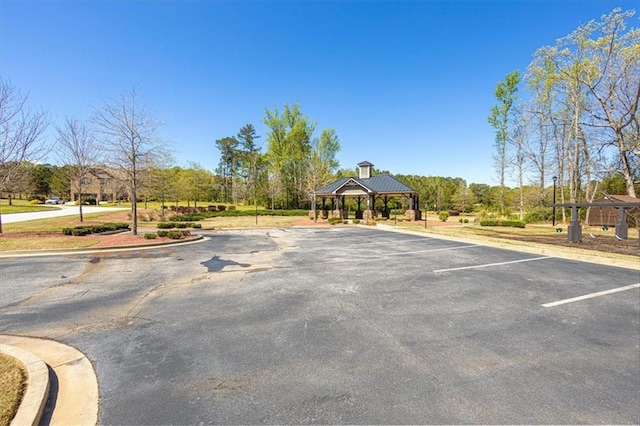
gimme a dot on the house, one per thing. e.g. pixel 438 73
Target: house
pixel 100 184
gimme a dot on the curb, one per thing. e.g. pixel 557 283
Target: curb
pixel 73 400
pixel 34 253
pixel 34 399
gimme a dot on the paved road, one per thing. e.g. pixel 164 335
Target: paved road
pixel 338 325
pixel 63 210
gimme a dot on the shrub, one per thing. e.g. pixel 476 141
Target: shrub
pixel 222 207
pixel 443 216
pixel 174 235
pixel 197 225
pixel 150 236
pixel 356 221
pixel 539 215
pixel 165 225
pixel 334 220
pixel 182 225
pixel 231 208
pixel 496 222
pixel 95 229
pixel 80 231
pixel 463 220
pixel 162 233
pixel 189 217
pixel 186 233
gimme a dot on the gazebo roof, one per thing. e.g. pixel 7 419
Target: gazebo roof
pixel 379 184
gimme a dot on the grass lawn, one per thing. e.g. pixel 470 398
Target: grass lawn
pixel 22 206
pixel 12 379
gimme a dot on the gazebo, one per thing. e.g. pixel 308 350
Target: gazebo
pixel 368 189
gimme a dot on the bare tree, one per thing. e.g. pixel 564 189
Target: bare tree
pixel 129 139
pixel 78 149
pixel 21 133
pixel 614 85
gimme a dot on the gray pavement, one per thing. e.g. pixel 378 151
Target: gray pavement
pixel 338 325
pixel 62 210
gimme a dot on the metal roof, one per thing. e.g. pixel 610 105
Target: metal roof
pixel 375 184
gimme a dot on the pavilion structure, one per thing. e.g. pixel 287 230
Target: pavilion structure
pixel 367 190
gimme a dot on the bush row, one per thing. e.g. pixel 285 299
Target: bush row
pixel 95 229
pixel 169 225
pixel 173 234
pixel 498 222
pixel 193 217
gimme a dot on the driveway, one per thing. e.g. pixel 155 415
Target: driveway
pixel 338 325
pixel 63 210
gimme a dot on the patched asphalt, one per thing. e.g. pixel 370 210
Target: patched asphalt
pixel 337 325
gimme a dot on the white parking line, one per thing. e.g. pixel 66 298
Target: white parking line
pixel 589 296
pixel 491 264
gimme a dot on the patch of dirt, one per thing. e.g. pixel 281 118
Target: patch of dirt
pixel 607 244
pixel 110 240
pixel 117 240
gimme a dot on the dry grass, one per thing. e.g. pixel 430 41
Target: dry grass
pixel 43 241
pixel 250 222
pixel 12 380
pixel 595 240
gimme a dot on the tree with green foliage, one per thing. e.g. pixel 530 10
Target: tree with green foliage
pixel 161 178
pixel 289 146
pixel 250 159
pixel 228 165
pixel 39 179
pixel 322 164
pixel 500 119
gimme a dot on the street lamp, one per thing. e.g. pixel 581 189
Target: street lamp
pixel 426 210
pixel 555 178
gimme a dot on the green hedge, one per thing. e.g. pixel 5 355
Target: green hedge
pixel 169 225
pixel 497 222
pixel 95 229
pixel 193 217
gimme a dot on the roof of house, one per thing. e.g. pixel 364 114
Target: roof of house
pixel 375 184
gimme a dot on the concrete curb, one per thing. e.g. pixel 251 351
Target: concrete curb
pixel 75 401
pixel 587 256
pixel 35 253
pixel 34 399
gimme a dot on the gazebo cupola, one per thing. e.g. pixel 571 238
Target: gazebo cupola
pixel 365 170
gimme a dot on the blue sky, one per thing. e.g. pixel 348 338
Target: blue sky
pixel 407 85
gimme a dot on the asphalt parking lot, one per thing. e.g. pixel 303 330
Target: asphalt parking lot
pixel 338 325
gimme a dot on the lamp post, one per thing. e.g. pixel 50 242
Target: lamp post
pixel 553 220
pixel 396 213
pixel 426 210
